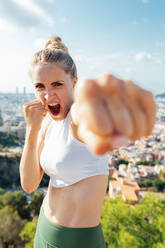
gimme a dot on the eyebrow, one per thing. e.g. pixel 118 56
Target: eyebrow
pixel 51 83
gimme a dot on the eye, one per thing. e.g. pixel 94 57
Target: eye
pixel 57 84
pixel 39 86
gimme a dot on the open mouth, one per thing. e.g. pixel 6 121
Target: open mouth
pixel 54 109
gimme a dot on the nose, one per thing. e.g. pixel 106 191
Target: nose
pixel 50 97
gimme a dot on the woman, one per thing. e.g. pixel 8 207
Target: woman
pixel 87 120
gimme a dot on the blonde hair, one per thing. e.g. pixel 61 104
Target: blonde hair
pixel 56 52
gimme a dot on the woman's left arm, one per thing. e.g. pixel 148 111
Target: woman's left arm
pixel 108 111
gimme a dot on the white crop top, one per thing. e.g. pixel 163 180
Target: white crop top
pixel 67 160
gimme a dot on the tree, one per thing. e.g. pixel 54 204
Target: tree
pixel 36 201
pixel 120 161
pixel 9 170
pixel 1 197
pixel 159 185
pixel 145 162
pixel 146 183
pixel 10 227
pixel 140 227
pixel 18 202
pixel 1 120
pixel 9 139
pixel 28 232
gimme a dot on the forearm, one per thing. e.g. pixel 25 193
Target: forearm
pixel 30 171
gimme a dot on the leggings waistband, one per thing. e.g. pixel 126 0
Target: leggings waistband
pixel 64 228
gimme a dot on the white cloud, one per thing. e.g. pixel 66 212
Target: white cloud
pixel 135 22
pixel 154 58
pixel 7 26
pixel 160 44
pixel 39 43
pixel 26 14
pixel 32 30
pixel 50 1
pixel 143 56
pixel 63 19
pixel 145 1
pixel 145 20
pixel 35 9
pixel 128 69
pixel 159 62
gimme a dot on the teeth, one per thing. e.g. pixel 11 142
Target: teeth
pixel 54 104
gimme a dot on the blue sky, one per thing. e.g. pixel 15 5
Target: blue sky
pixel 123 37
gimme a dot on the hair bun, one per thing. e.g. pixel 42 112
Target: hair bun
pixel 56 43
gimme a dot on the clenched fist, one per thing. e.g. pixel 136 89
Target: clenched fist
pixel 109 111
pixel 34 113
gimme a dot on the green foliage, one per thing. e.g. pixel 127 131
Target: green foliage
pixel 9 170
pixel 1 148
pixel 161 175
pixel 1 191
pixel 146 183
pixel 140 227
pixel 6 149
pixel 1 197
pixel 120 161
pixel 159 185
pixel 18 202
pixel 36 201
pixel 16 209
pixel 9 139
pixel 28 232
pixel 10 226
pixel 17 214
pixel 157 139
pixel 145 162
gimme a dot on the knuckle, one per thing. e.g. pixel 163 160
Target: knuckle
pixel 149 98
pixel 148 95
pixel 30 108
pixel 131 88
pixel 87 83
pixel 109 82
pixel 107 77
pixel 25 107
pixel 89 87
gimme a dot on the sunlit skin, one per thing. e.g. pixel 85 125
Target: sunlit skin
pixel 107 112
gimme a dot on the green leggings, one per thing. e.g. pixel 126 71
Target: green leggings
pixel 50 235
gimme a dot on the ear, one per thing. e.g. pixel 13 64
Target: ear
pixel 75 81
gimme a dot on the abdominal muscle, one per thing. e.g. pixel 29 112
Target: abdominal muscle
pixel 77 205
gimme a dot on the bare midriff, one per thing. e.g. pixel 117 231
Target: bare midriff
pixel 77 205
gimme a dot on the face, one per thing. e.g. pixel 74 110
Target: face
pixel 54 89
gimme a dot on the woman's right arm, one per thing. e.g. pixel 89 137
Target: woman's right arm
pixel 31 172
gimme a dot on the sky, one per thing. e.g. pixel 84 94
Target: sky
pixel 122 37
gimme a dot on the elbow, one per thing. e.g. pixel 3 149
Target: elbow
pixel 28 189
